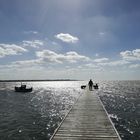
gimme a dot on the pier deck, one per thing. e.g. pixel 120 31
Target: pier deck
pixel 87 120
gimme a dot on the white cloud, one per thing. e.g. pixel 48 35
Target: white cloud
pixel 93 66
pixel 24 64
pixel 49 55
pixel 67 38
pixel 11 49
pixel 115 63
pixel 32 43
pixel 27 62
pixel 99 60
pixel 133 55
pixel 73 57
pixel 60 58
pixel 136 53
pixel 134 66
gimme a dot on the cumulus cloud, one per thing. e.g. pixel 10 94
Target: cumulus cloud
pixel 44 58
pixel 73 57
pixel 11 49
pixel 101 60
pixel 133 55
pixel 67 38
pixel 60 58
pixel 32 43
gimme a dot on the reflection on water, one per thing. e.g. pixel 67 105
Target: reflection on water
pixel 35 115
pixel 122 101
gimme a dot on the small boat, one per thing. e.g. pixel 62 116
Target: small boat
pixel 23 88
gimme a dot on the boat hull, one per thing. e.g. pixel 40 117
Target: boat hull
pixel 19 89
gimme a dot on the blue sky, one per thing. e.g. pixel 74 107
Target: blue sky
pixel 76 39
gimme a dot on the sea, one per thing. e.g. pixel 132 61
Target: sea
pixel 35 115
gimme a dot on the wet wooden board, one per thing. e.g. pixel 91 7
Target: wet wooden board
pixel 87 120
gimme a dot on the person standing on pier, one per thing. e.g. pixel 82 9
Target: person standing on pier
pixel 90 84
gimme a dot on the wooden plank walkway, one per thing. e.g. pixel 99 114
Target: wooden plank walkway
pixel 87 120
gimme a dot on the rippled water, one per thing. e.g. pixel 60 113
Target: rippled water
pixel 35 115
pixel 122 101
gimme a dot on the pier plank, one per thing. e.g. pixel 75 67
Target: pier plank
pixel 87 120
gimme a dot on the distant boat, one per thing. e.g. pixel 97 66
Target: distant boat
pixel 23 88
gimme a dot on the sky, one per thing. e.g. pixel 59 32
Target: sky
pixel 70 39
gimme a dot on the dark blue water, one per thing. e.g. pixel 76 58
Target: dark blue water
pixel 35 115
pixel 122 101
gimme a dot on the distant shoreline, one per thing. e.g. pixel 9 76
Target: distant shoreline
pixel 38 80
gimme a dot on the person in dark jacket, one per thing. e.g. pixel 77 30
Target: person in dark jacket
pixel 90 84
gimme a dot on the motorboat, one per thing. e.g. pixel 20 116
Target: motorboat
pixel 23 88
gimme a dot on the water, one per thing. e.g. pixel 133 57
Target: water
pixel 122 101
pixel 35 115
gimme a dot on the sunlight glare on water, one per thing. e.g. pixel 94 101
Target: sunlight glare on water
pixel 35 115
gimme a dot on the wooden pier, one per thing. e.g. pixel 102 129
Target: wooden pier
pixel 87 120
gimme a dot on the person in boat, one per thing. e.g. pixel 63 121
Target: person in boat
pixel 23 87
pixel 90 84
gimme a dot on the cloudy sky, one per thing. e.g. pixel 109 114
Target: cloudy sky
pixel 76 39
